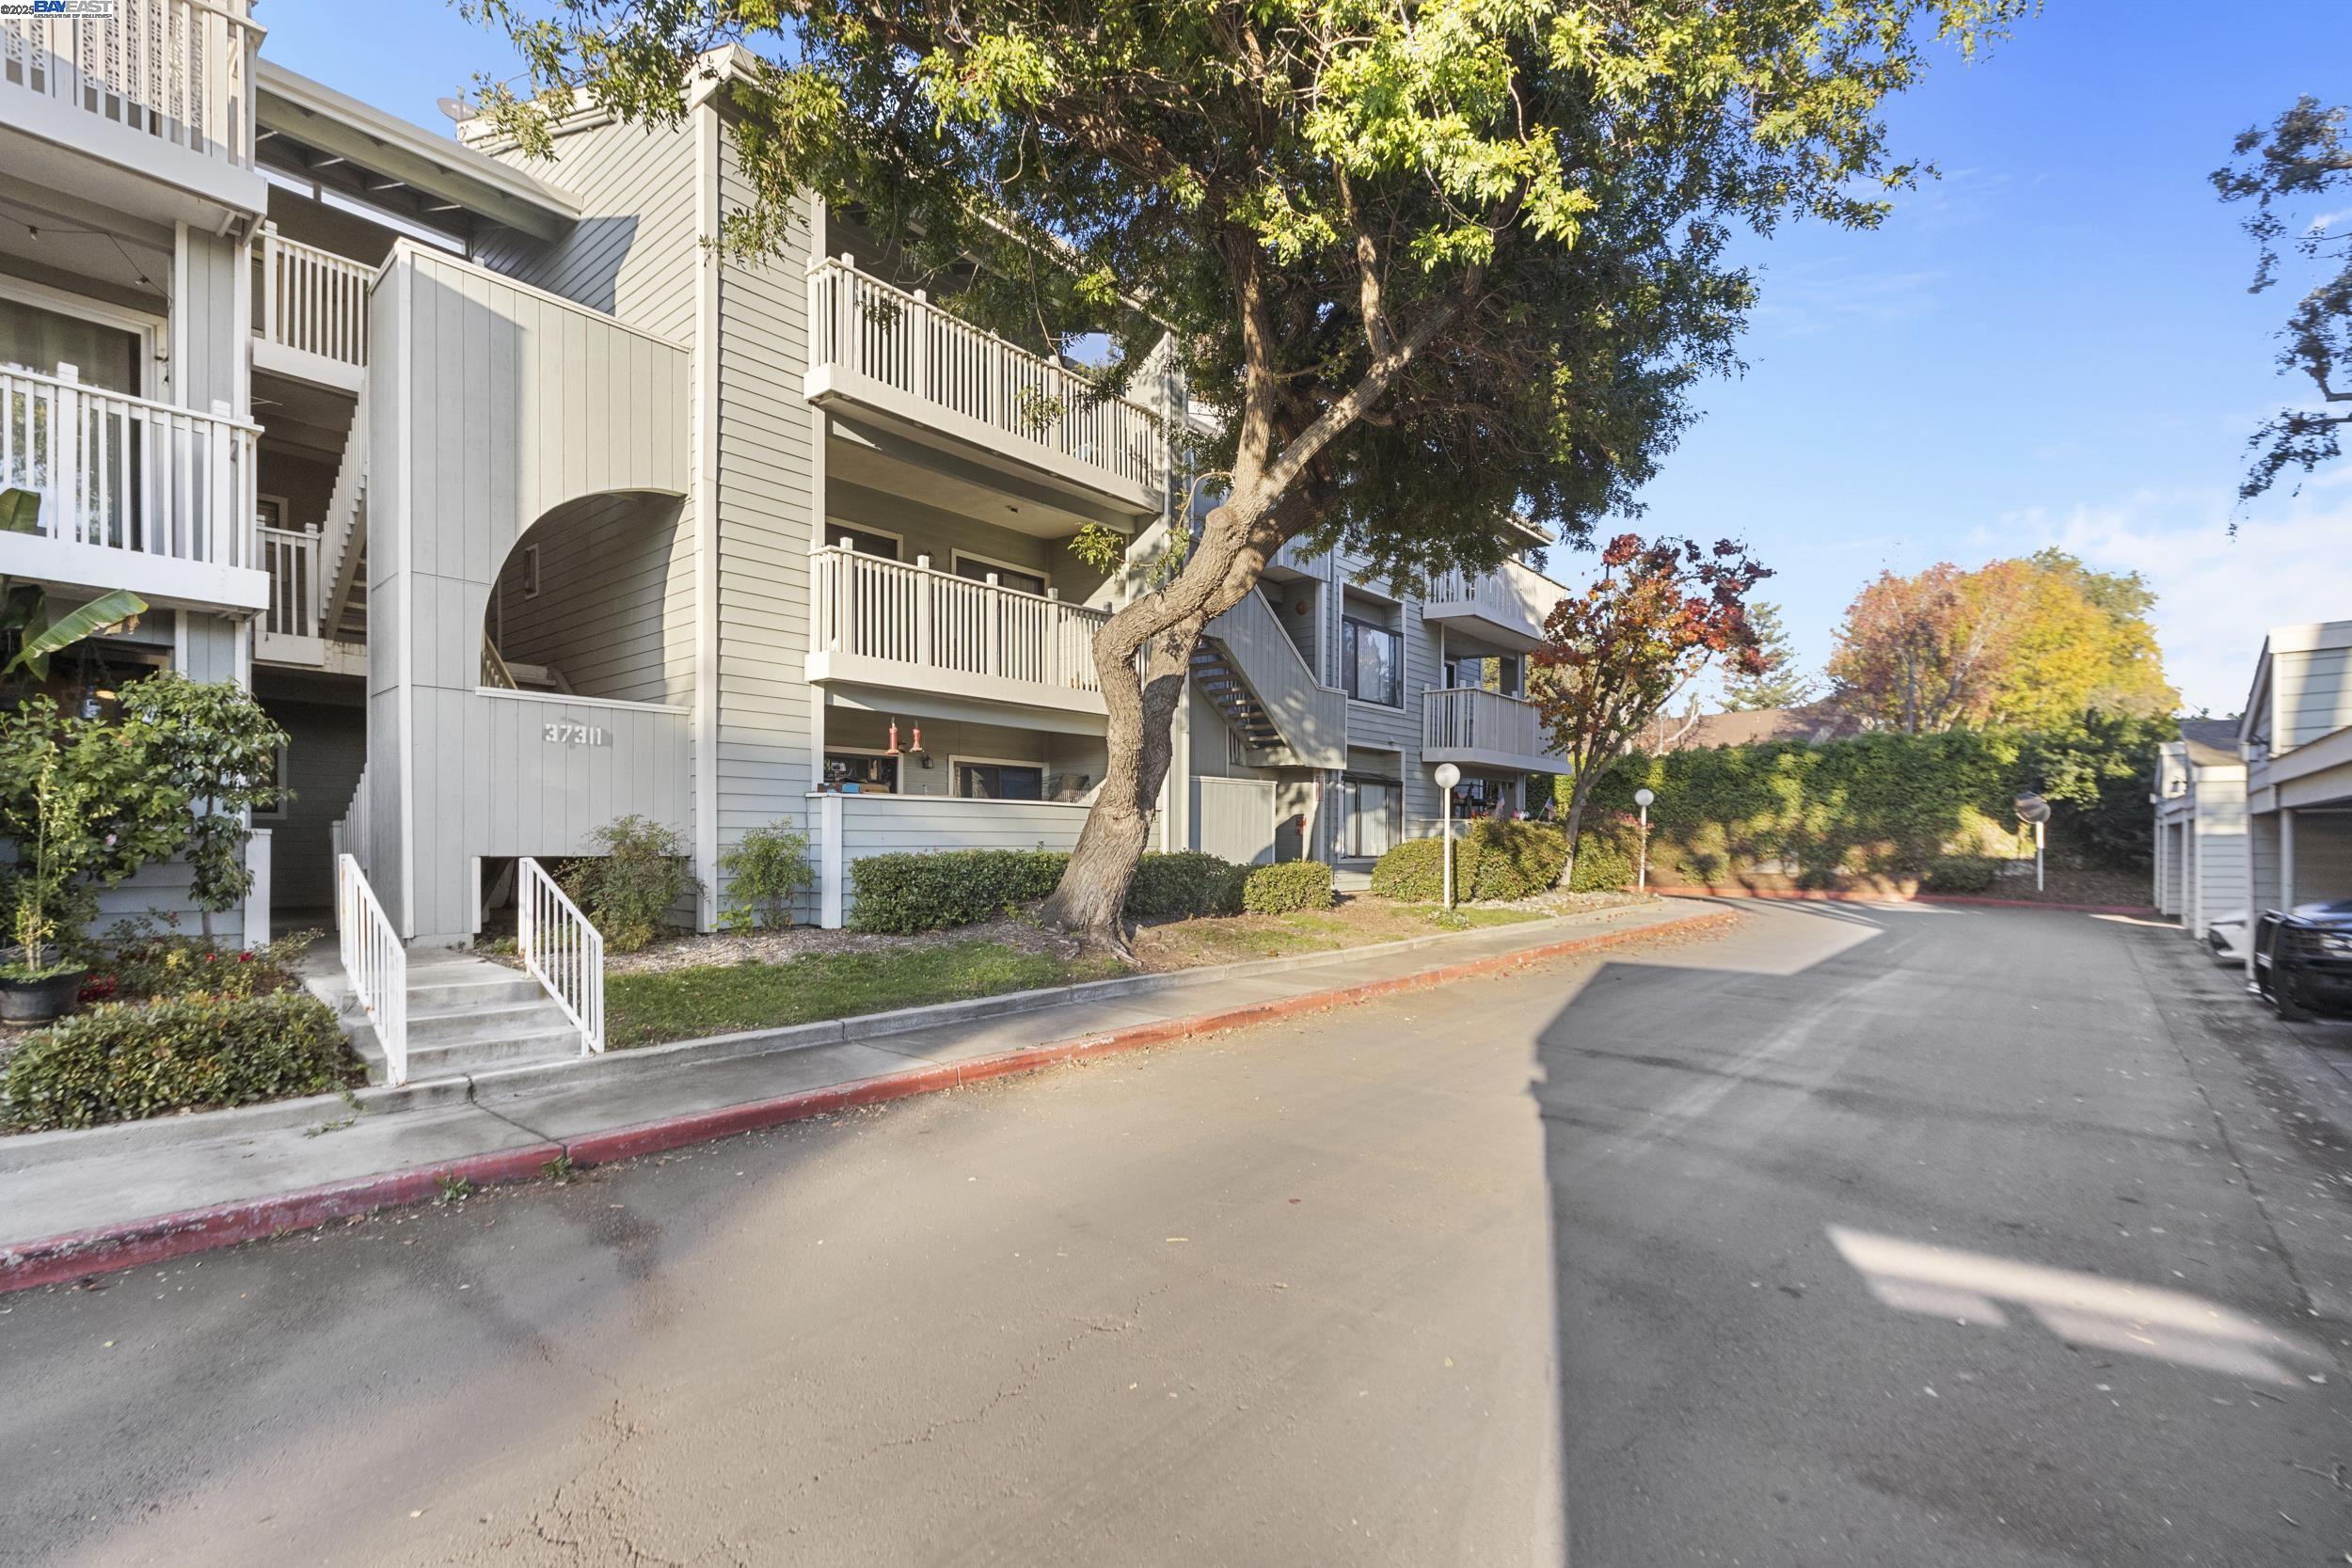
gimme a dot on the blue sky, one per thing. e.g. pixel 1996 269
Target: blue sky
pixel 2051 345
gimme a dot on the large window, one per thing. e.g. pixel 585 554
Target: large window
pixel 980 569
pixel 866 541
pixel 862 773
pixel 1372 662
pixel 46 341
pixel 999 781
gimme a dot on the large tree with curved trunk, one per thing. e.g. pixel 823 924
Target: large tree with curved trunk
pixel 1438 263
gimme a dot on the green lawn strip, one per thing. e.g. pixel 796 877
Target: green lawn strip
pixel 1324 931
pixel 688 1003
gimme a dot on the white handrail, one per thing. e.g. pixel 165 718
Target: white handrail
pixel 886 610
pixel 911 345
pixel 181 70
pixel 376 963
pixel 292 557
pixel 313 300
pixel 563 950
pixel 127 472
pixel 350 831
pixel 343 534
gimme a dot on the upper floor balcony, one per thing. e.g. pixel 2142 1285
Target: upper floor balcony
pixel 310 312
pixel 133 494
pixel 884 623
pixel 1472 727
pixel 898 355
pixel 1506 607
pixel 147 108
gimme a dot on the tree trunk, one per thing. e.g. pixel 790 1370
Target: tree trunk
pixel 1164 626
pixel 1578 791
pixel 1093 889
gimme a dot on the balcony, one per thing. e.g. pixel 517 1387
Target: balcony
pixel 1475 728
pixel 133 494
pixel 883 622
pixel 311 320
pixel 897 355
pixel 1506 607
pixel 149 108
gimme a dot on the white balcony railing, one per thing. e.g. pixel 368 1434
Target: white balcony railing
pixel 1471 724
pixel 128 474
pixel 179 70
pixel 314 301
pixel 866 336
pixel 1516 599
pixel 290 555
pixel 901 622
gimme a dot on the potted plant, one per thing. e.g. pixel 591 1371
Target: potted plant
pixel 37 980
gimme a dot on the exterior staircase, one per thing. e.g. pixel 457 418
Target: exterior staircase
pixel 465 1015
pixel 343 563
pixel 1248 668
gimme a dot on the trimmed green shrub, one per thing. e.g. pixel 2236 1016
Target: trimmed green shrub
pixel 766 868
pixel 1602 867
pixel 123 1062
pixel 1516 860
pixel 638 875
pixel 926 891
pixel 1184 884
pixel 1291 885
pixel 910 892
pixel 1499 860
pixel 139 961
pixel 1414 871
pixel 1962 874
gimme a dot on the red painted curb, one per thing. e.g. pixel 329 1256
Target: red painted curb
pixel 1818 895
pixel 109 1248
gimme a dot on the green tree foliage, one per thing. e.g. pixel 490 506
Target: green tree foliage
pixel 766 870
pixel 86 805
pixel 1615 656
pixel 2032 644
pixel 1783 682
pixel 1440 262
pixel 2302 160
pixel 213 744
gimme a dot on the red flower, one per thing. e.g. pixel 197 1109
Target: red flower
pixel 244 957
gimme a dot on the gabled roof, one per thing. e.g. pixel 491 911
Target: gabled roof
pixel 2307 638
pixel 2210 742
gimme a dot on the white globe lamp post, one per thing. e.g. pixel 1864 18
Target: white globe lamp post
pixel 1448 776
pixel 1643 797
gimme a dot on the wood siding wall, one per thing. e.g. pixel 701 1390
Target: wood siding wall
pixel 2310 696
pixel 490 406
pixel 602 615
pixel 765 478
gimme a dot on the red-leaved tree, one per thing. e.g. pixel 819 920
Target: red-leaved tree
pixel 1613 658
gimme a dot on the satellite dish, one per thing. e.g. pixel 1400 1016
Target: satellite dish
pixel 456 108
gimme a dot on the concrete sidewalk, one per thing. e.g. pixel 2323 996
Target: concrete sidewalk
pixel 83 1203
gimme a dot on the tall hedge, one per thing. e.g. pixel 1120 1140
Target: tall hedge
pixel 1893 805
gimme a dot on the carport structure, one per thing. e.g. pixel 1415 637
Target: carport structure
pixel 2297 738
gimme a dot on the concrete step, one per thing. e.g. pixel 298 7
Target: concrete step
pixel 506 989
pixel 426 1061
pixel 464 1025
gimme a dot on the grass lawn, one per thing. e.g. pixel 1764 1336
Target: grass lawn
pixel 1355 923
pixel 687 1004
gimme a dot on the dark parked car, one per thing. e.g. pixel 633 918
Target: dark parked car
pixel 2303 958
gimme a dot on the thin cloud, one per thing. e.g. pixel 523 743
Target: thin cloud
pixel 2218 593
pixel 1813 297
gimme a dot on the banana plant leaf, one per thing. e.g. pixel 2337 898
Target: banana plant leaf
pixel 25 607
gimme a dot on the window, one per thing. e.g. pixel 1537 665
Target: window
pixel 530 571
pixel 270 511
pixel 46 341
pixel 872 774
pixel 978 568
pixel 866 541
pixel 1372 659
pixel 999 781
